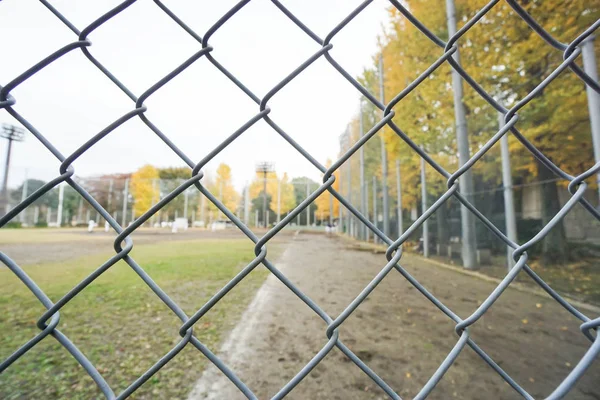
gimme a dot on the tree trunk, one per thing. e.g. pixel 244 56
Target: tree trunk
pixel 554 245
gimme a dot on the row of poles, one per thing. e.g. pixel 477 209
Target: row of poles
pixel 469 245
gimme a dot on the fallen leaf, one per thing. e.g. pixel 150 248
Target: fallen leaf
pixel 524 321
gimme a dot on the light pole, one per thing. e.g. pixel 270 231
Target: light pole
pixel 469 245
pixel 384 187
pixel 264 167
pixel 12 134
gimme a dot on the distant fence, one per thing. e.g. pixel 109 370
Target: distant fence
pixel 49 323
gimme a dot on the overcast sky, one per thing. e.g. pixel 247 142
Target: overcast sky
pixel 71 100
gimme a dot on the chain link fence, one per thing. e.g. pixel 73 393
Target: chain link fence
pixel 49 322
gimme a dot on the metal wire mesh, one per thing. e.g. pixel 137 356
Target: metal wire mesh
pixel 48 323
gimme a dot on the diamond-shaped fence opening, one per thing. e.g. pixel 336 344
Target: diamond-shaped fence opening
pixel 49 322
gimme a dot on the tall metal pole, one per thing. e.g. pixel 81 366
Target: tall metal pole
pixel 278 200
pixel 23 197
pixel 348 213
pixel 509 205
pixel 203 211
pixel 384 171
pixel 469 245
pixel 330 210
pixel 6 167
pixel 367 230
pixel 424 207
pixel 399 199
pixel 110 191
pixel 125 198
pixel 11 133
pixel 264 221
pixel 374 207
pixel 363 194
pixel 590 68
pixel 61 196
pixel 308 207
pixel 185 203
pixel 340 220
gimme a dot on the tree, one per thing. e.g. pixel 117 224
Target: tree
pixel 300 185
pixel 222 188
pixel 508 59
pixel 144 189
pixel 324 201
pixel 274 185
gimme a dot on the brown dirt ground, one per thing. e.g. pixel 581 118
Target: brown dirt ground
pixel 396 331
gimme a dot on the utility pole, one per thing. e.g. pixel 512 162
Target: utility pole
pixel 307 207
pixel 264 168
pixel 399 199
pixel 110 191
pixel 12 134
pixel 374 207
pixel 330 210
pixel 125 198
pixel 61 196
pixel 367 230
pixel 23 197
pixel 384 171
pixel 469 245
pixel 363 194
pixel 278 200
pixel 590 68
pixel 424 208
pixel 509 205
pixel 185 203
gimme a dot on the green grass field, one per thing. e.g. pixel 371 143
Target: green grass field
pixel 119 323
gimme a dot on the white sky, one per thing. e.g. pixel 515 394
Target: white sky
pixel 71 100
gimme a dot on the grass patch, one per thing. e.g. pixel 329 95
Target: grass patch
pixel 119 323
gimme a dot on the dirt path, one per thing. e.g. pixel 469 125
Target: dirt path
pixel 397 332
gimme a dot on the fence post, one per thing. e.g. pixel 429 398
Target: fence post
pixel 469 245
pixel 384 167
pixel 330 210
pixel 399 198
pixel 590 68
pixel 23 197
pixel 367 230
pixel 348 213
pixel 307 207
pixel 185 203
pixel 59 211
pixel 509 205
pixel 375 207
pixel 361 152
pixel 424 208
